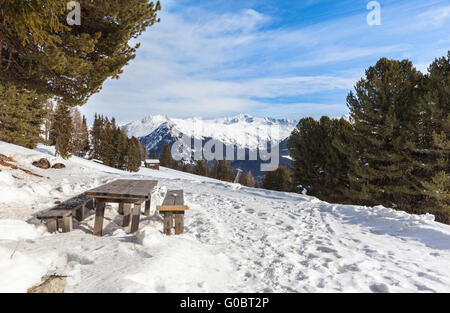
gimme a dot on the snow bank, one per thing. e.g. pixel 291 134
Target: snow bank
pixel 18 230
pixel 180 264
pixel 19 273
pixel 20 269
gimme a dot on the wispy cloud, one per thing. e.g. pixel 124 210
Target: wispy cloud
pixel 204 62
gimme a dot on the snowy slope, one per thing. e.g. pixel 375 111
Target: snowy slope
pixel 237 239
pixel 242 130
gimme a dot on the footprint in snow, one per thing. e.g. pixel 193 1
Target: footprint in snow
pixel 326 249
pixel 379 288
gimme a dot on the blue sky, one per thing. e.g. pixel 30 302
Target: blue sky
pixel 283 59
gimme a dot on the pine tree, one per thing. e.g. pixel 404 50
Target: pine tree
pixel 223 171
pixel 435 141
pixel 107 144
pixel 122 149
pixel 62 130
pixel 201 169
pixel 48 120
pixel 166 156
pixel 144 153
pixel 279 180
pixel 85 137
pixel 317 165
pixel 385 111
pixel 154 156
pixel 21 116
pixel 96 143
pixel 39 51
pixel 79 139
pixel 134 155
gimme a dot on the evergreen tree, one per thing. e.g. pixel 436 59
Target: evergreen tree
pixel 107 144
pixel 144 153
pixel 62 130
pixel 122 149
pixel 223 170
pixel 154 156
pixel 166 156
pixel 186 167
pixel 21 116
pixel 201 169
pixel 318 166
pixel 134 155
pixel 48 120
pixel 96 143
pixel 434 145
pixel 79 133
pixel 39 51
pixel 213 171
pixel 385 111
pixel 85 137
pixel 279 180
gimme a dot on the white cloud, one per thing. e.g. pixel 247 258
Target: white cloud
pixel 435 17
pixel 199 63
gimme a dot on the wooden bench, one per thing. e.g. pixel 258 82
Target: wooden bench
pixel 173 208
pixel 60 216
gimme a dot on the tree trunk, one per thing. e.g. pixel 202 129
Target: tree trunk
pixel 1 49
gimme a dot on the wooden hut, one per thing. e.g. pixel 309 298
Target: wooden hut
pixel 152 164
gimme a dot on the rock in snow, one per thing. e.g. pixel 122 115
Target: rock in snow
pixel 42 163
pixel 58 166
pixel 237 239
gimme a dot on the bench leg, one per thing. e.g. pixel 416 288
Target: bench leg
pixel 179 223
pixel 168 223
pixel 136 218
pixel 80 213
pixel 52 225
pixel 67 224
pixel 147 207
pixel 99 215
pixel 126 214
pixel 120 211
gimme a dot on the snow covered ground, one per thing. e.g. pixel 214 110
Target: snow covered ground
pixel 237 239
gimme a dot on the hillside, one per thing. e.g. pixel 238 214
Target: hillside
pixel 237 238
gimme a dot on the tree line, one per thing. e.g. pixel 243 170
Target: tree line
pixel 105 141
pixel 394 151
pixel 220 170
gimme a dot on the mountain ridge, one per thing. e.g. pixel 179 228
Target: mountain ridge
pixel 245 132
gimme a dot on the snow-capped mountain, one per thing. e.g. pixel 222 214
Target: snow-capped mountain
pixel 242 131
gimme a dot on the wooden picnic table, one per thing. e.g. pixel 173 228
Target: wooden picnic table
pixel 126 192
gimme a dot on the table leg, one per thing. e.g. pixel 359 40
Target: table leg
pixel 147 207
pixel 126 214
pixel 99 215
pixel 136 218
